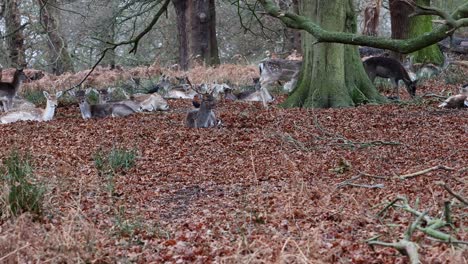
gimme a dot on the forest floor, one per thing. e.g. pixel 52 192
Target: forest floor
pixel 263 188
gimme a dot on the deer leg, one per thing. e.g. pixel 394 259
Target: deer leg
pixel 396 88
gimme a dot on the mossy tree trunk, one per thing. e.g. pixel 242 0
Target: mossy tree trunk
pixel 418 26
pixel 332 74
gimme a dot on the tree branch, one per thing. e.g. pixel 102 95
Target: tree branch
pixel 404 46
pixel 145 31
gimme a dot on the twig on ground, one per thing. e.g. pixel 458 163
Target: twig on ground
pixel 434 95
pixel 375 186
pixel 13 252
pixel 349 182
pixel 414 174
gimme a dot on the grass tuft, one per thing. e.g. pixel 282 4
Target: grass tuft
pixel 23 194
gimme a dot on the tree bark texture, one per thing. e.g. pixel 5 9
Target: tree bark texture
pixel 14 33
pixel 332 74
pixel 418 26
pixel 196 25
pixel 371 18
pixel 59 58
pixel 399 15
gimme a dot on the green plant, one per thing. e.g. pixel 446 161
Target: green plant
pixel 116 159
pixel 126 227
pixel 24 195
pixel 108 163
pixel 121 158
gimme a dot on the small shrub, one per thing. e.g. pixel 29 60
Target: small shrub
pixel 23 194
pixel 121 159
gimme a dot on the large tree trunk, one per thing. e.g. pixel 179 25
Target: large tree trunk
pixel 196 25
pixel 14 32
pixel 59 58
pixel 418 26
pixel 399 14
pixel 332 75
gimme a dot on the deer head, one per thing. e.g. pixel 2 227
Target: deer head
pixel 203 117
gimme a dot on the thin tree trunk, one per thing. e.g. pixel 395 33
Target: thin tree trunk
pixel 59 58
pixel 181 13
pixel 332 74
pixel 14 33
pixel 196 25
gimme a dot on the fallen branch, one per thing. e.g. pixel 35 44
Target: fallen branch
pixel 405 245
pixel 411 175
pixel 457 196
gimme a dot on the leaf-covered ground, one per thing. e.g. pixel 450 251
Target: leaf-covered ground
pixel 261 189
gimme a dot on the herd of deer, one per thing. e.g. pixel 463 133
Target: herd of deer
pixel 271 72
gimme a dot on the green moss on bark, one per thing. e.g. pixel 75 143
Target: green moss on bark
pixel 418 26
pixel 332 74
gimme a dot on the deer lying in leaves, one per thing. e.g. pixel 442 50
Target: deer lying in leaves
pixel 101 110
pixel 34 114
pixel 138 102
pixel 457 101
pixel 203 116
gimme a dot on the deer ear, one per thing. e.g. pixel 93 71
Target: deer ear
pixel 58 94
pixel 46 94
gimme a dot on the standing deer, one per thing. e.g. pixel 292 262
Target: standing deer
pixel 101 110
pixel 8 90
pixel 389 68
pixel 203 117
pixel 34 114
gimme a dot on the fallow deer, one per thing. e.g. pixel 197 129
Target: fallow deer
pixel 101 110
pixel 175 90
pixel 8 90
pixel 279 70
pixel 389 68
pixel 203 117
pixel 457 101
pixel 34 114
